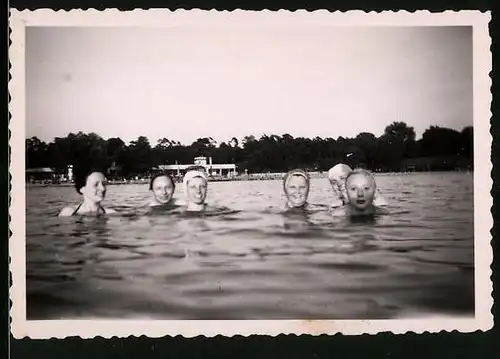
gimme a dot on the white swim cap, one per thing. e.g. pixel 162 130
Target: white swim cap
pixel 190 175
pixel 335 172
pixel 289 175
pixel 295 172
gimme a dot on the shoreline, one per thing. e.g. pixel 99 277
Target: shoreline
pixel 255 177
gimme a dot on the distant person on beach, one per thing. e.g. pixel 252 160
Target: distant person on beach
pixel 163 187
pixel 361 187
pixel 337 175
pixel 92 186
pixel 195 187
pixel 296 187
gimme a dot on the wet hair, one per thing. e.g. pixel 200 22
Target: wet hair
pixel 80 176
pixel 161 174
pixel 296 172
pixel 364 172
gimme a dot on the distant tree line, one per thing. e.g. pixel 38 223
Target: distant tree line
pixel 395 150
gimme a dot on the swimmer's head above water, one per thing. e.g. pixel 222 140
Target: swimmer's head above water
pixel 361 189
pixel 163 188
pixel 337 176
pixel 195 187
pixel 296 187
pixel 92 185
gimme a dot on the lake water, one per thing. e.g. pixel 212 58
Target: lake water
pixel 256 263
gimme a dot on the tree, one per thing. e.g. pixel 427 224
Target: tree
pixel 61 153
pixel 114 147
pixel 249 139
pixel 445 147
pixel 164 143
pixel 213 143
pixel 397 143
pixel 203 147
pixel 139 159
pixel 467 142
pixel 401 131
pixel 368 144
pixel 223 154
pixel 233 142
pixel 441 141
pixel 97 152
pixel 36 153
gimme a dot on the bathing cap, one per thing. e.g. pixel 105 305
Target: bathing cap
pixel 337 170
pixel 295 172
pixel 190 175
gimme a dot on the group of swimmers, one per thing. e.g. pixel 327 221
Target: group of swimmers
pixel 355 191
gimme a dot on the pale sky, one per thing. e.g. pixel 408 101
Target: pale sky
pixel 184 83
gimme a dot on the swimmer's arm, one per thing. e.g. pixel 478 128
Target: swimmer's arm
pixel 67 211
pixel 379 200
pixel 337 203
pixel 109 210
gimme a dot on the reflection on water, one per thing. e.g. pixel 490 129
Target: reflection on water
pixel 246 260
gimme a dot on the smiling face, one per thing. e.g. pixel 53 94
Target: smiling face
pixel 163 189
pixel 361 189
pixel 197 190
pixel 297 190
pixel 95 187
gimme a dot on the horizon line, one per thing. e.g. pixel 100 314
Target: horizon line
pixel 240 140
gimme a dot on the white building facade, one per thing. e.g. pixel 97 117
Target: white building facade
pixel 221 170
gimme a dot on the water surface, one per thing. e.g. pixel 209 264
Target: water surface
pixel 254 263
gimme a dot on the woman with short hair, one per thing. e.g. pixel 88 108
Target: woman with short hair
pixel 163 187
pixel 92 185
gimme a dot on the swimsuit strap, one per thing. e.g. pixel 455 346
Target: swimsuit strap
pixel 81 203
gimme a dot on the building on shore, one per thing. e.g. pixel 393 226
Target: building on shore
pixel 47 174
pixel 212 169
pixel 41 174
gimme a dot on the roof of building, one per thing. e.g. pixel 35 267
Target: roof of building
pixel 207 166
pixel 40 170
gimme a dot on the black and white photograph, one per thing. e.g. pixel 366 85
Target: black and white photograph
pixel 251 167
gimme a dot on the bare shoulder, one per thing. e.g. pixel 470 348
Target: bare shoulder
pixel 67 211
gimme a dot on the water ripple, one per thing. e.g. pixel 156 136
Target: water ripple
pixel 245 260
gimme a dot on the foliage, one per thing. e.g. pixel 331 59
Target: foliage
pixel 396 150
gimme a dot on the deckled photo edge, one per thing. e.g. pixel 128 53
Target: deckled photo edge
pixel 483 201
pixel 17 240
pixel 91 328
